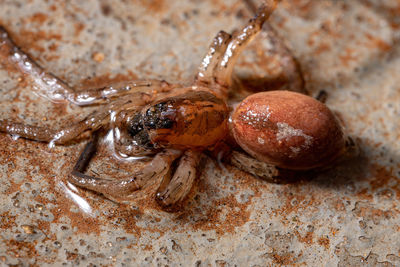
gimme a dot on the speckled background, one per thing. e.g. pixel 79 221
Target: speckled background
pixel 346 216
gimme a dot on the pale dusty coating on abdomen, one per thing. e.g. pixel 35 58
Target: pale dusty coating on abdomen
pixel 286 132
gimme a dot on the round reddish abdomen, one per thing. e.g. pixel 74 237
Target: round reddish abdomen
pixel 287 129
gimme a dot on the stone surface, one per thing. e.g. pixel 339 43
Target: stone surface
pixel 347 216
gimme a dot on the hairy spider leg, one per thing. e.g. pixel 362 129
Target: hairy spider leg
pixel 122 189
pixel 177 188
pixel 253 166
pixel 206 73
pixel 37 133
pixel 217 66
pixel 85 157
pixel 98 119
pixel 14 56
pixel 53 88
pixel 92 123
pixel 105 94
pixel 273 174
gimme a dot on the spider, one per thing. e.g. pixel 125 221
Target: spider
pixel 173 123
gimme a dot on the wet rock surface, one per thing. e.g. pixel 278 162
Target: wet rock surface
pixel 345 216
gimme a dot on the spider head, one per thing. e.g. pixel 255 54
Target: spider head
pixel 193 119
pixel 160 116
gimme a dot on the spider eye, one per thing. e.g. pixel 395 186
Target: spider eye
pixel 138 133
pixel 156 117
pixel 136 125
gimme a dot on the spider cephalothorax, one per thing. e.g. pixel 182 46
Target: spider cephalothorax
pixel 194 119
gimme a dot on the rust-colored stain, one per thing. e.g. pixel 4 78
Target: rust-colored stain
pixel 324 241
pixel 378 43
pixel 348 56
pixel 283 259
pixel 30 40
pixel 294 200
pixel 382 176
pixel 79 27
pixel 125 217
pixel 21 249
pixel 38 18
pixel 373 214
pixel 107 79
pixel 79 221
pixel 7 220
pixel 307 239
pixel 153 6
pixel 237 216
pixel 322 48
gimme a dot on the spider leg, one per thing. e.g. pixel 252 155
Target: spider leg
pixel 92 123
pixel 214 55
pixel 26 131
pixel 217 66
pixel 253 166
pixel 56 89
pixel 218 71
pixel 93 96
pixel 85 157
pixel 48 85
pixel 98 119
pixel 43 134
pixel 122 189
pixel 182 181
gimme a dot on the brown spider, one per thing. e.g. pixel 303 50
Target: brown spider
pixel 177 124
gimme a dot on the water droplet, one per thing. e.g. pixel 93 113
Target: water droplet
pixel 351 188
pixel 39 206
pixel 28 229
pixel 364 239
pixel 175 246
pixel 120 239
pixel 16 203
pixel 260 140
pixel 362 224
pixel 109 244
pixel 163 250
pixel 57 244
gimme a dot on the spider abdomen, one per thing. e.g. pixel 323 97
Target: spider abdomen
pixel 288 129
